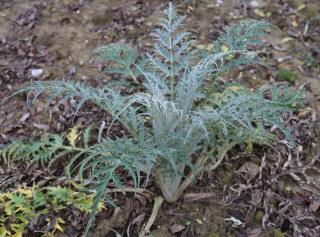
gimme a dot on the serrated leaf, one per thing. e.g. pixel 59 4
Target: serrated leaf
pixel 73 135
pixel 26 191
pixel 57 224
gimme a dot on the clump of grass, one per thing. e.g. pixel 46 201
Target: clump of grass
pixel 287 75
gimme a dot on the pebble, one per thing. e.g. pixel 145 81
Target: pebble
pixel 305 113
pixel 36 72
pixel 256 4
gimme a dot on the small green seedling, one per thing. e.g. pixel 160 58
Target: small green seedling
pixel 287 75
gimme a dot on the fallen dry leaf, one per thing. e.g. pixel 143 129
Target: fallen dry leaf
pixel 249 170
pixel 176 228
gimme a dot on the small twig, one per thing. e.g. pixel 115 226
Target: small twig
pixel 262 166
pixel 131 190
pixel 219 161
pixel 306 27
pixel 103 124
pixel 221 155
pixel 191 197
pixel 157 203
